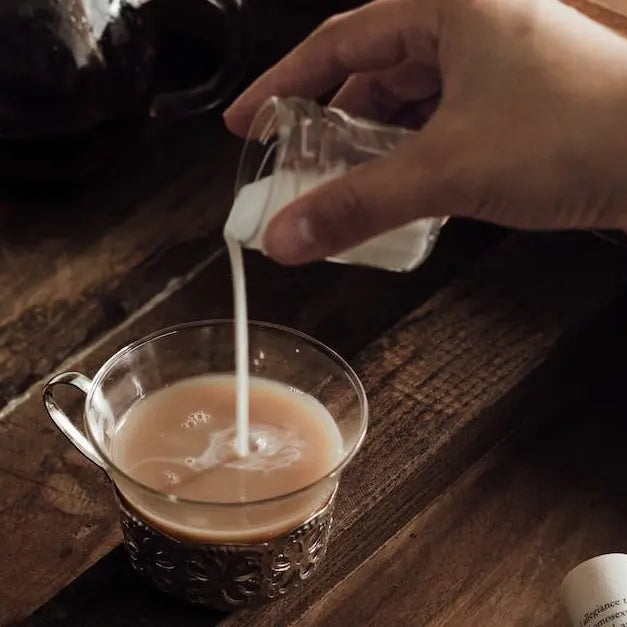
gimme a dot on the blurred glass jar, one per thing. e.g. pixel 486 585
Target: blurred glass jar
pixel 79 75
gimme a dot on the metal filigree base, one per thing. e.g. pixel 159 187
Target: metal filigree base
pixel 226 576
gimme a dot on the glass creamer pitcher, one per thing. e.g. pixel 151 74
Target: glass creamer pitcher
pixel 295 145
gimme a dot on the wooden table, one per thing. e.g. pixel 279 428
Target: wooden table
pixel 494 459
pixel 495 374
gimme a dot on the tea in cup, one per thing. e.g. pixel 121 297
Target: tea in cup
pixel 201 521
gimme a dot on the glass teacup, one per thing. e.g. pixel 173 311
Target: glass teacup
pixel 238 566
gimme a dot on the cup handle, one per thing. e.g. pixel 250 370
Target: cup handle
pixel 219 87
pixel 58 416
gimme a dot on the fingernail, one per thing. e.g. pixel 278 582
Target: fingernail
pixel 234 118
pixel 227 116
pixel 290 240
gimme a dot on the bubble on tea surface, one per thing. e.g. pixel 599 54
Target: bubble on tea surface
pixel 259 444
pixel 171 477
pixel 195 419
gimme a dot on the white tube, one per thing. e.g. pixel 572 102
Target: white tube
pixel 595 592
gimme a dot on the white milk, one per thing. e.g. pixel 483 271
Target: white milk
pixel 257 203
pixel 241 344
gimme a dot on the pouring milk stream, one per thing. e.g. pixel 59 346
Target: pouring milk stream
pixel 293 146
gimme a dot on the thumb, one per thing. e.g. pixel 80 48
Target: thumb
pixel 411 182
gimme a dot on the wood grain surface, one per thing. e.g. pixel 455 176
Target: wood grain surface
pixel 76 264
pixel 499 345
pixel 494 548
pixel 58 514
pixel 452 378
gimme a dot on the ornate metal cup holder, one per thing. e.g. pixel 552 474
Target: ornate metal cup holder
pixel 226 576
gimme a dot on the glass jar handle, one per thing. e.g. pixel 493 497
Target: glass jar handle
pixel 59 417
pixel 214 92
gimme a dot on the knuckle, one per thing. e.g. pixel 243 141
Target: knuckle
pixel 356 212
pixel 333 32
pixel 329 27
pixel 334 22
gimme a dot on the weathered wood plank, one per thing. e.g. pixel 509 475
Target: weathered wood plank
pixel 73 266
pixel 110 593
pixel 444 384
pixel 450 379
pixel 494 548
pixel 58 515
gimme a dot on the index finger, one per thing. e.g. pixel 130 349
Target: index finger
pixel 374 37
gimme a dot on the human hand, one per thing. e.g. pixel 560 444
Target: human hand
pixel 530 129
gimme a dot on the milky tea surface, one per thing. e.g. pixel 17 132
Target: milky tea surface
pixel 181 440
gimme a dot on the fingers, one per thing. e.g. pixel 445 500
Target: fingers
pixel 367 96
pixel 373 37
pixel 381 95
pixel 411 182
